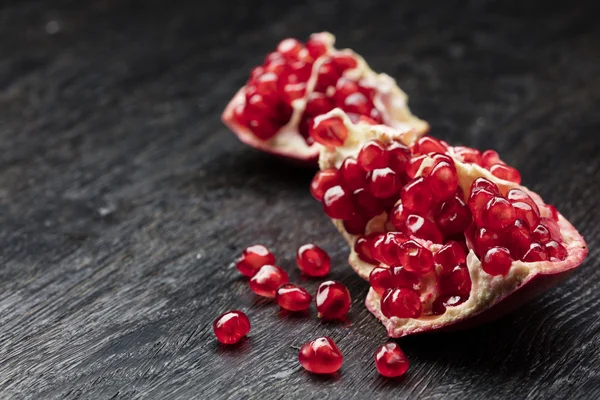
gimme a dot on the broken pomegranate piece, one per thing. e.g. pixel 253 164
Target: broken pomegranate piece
pixel 276 109
pixel 450 239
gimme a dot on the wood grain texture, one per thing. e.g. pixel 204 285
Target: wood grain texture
pixel 124 200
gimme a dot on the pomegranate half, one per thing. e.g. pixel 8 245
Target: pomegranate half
pixel 297 82
pixel 446 235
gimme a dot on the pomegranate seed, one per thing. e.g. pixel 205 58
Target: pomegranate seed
pixel 353 177
pixel 517 238
pixel 468 155
pixel 415 258
pixel 290 48
pixel 555 250
pixel 363 247
pixel 453 216
pixel 398 216
pixel 292 297
pixel 327 76
pixel 367 204
pixel 344 62
pixel 293 91
pixel 263 128
pixel 416 196
pixel 498 214
pixel 486 239
pixel 497 261
pixel 320 356
pixel 505 172
pixel 541 234
pixel 489 158
pixel 387 249
pixel 482 183
pixel 450 255
pixel 356 225
pixel 390 361
pixel 337 203
pixel 255 73
pixel 536 252
pixel 442 180
pixel 440 304
pixel 477 202
pixel 322 181
pixel 317 104
pixel 357 103
pixel 333 300
pixel 313 260
pixel 422 228
pixel 266 281
pixel 252 258
pixel 526 213
pixel 517 195
pixel 382 278
pixel 456 282
pixel 401 303
pixel 344 88
pixel 413 165
pixel 398 155
pixel 231 327
pixel 553 228
pixel 316 48
pixel 329 132
pixel 383 182
pixel 427 144
pixel 373 155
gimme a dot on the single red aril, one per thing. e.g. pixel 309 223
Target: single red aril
pixel 353 177
pixel 344 61
pixel 316 47
pixel 289 48
pixel 468 155
pixel 482 183
pixel 517 239
pixel 541 234
pixel 415 258
pixel 553 228
pixel 456 282
pixel 344 88
pixel 489 158
pixel 356 225
pixel 364 246
pixel 536 252
pixel 413 165
pixel 401 303
pixel 320 356
pixel 266 281
pixel 313 260
pixel 333 300
pixel 231 327
pixel 556 250
pixel 398 216
pixel 387 248
pixel 292 297
pixel 477 202
pixel 383 182
pixel 357 103
pixel 373 155
pixel 382 278
pixel 450 255
pixel 422 228
pixel 252 258
pixel 486 239
pixel 497 261
pixel 517 195
pixel 453 216
pixel 329 132
pixel 505 172
pixel 398 156
pixel 417 197
pixel 322 181
pixel 525 212
pixel 366 204
pixel 428 144
pixel 441 303
pixel 442 180
pixel 498 214
pixel 390 361
pixel 337 203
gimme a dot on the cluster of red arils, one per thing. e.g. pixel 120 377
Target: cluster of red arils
pixel 332 300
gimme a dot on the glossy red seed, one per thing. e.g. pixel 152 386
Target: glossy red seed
pixel 333 300
pixel 329 132
pixel 231 327
pixel 477 202
pixel 344 61
pixel 289 48
pixel 337 203
pixel 364 245
pixel 316 47
pixel 541 234
pixel 556 250
pixel 417 197
pixel 382 278
pixel 373 155
pixel 415 258
pixel 525 212
pixel 482 183
pixel 422 228
pixel 292 297
pixel 390 361
pixel 498 214
pixel 398 156
pixel 398 216
pixel 313 260
pixel 252 258
pixel 263 128
pixel 497 261
pixel 468 155
pixel 383 182
pixel 320 356
pixel 456 282
pixel 267 279
pixel 536 252
pixel 317 104
pixel 439 305
pixel 442 180
pixel 344 88
pixel 517 239
pixel 322 181
pixel 357 103
pixel 553 228
pixel 387 248
pixel 450 255
pixel 413 165
pixel 401 303
pixel 293 91
pixel 486 239
pixel 453 216
pixel 328 75
pixel 351 174
pixel 489 158
pixel 366 204
pixel 505 172
pixel 356 225
pixel 517 195
pixel 428 144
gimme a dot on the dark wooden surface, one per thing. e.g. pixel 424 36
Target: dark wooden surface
pixel 124 200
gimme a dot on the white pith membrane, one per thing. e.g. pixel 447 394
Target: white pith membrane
pixel 390 100
pixel 486 290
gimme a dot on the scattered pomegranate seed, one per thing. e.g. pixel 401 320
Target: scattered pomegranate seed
pixel 231 327
pixel 266 281
pixel 252 258
pixel 536 252
pixel 313 260
pixel 416 196
pixel 383 182
pixel 329 132
pixel 497 261
pixel 321 356
pixel 415 258
pixel 382 278
pixel 456 282
pixel 333 300
pixel 322 181
pixel 401 303
pixel 498 214
pixel 373 155
pixel 390 361
pixel 505 172
pixel 292 297
pixel 556 250
pixel 450 255
pixel 353 177
pixel 337 203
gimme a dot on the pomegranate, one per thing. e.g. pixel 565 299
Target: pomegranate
pixel 231 327
pixel 292 297
pixel 276 109
pixel 267 280
pixel 333 300
pixel 390 360
pixel 313 260
pixel 452 238
pixel 320 356
pixel 252 258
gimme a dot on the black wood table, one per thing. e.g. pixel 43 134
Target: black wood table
pixel 124 200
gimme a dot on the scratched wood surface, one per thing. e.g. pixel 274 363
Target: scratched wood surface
pixel 123 199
